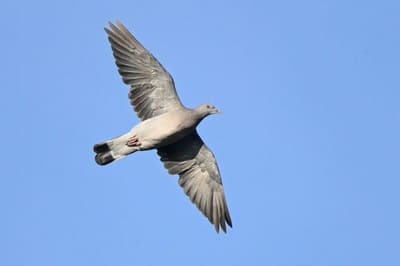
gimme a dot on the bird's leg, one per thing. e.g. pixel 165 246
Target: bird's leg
pixel 133 141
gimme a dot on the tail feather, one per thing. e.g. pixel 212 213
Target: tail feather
pixel 104 158
pixel 111 150
pixel 103 153
pixel 101 147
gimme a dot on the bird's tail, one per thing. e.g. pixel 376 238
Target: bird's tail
pixel 111 150
pixel 104 155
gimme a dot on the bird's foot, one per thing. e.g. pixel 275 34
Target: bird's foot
pixel 133 141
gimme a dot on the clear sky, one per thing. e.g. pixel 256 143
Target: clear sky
pixel 308 142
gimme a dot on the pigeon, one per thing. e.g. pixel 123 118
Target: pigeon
pixel 166 125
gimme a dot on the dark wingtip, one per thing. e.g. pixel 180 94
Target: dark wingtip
pixel 216 226
pixel 228 220
pixel 223 227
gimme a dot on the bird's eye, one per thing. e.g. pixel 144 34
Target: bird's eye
pixel 208 106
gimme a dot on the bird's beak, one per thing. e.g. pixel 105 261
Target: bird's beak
pixel 217 111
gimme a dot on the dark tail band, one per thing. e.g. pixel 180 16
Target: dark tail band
pixel 103 155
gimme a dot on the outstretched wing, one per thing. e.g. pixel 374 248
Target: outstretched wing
pixel 152 89
pixel 199 177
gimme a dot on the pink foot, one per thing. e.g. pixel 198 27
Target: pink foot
pixel 133 141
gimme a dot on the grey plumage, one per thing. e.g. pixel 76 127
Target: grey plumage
pixel 166 125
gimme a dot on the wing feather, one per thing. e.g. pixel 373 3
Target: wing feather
pixel 199 177
pixel 152 88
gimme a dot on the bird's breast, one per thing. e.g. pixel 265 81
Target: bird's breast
pixel 162 130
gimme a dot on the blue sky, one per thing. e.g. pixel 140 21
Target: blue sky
pixel 308 142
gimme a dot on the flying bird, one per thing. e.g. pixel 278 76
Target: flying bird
pixel 166 125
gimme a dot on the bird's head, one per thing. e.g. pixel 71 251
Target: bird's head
pixel 207 109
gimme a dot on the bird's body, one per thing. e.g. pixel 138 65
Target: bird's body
pixel 166 125
pixel 175 125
